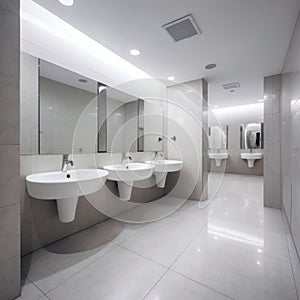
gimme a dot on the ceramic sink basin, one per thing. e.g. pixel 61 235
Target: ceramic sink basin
pixel 162 168
pixel 218 157
pixel 251 157
pixel 65 188
pixel 166 165
pixel 129 172
pixel 126 174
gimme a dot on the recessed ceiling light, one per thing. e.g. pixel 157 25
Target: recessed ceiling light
pixel 171 78
pixel 82 80
pixel 66 2
pixel 260 100
pixel 210 66
pixel 190 91
pixel 216 106
pixel 135 52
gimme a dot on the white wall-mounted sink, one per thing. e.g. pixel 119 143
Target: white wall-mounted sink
pixel 65 188
pixel 162 168
pixel 218 157
pixel 126 174
pixel 251 158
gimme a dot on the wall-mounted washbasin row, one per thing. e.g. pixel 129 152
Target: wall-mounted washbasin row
pixel 66 187
pixel 250 157
pixel 126 174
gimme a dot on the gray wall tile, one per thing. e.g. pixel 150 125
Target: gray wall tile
pixel 10 193
pixel 9 163
pixel 10 44
pixel 10 231
pixel 10 104
pixel 10 278
pixel 9 150
pixel 12 6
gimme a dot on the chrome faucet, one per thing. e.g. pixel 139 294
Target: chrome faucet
pixel 65 162
pixel 158 156
pixel 126 158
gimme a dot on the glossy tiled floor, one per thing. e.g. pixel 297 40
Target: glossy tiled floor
pixel 232 249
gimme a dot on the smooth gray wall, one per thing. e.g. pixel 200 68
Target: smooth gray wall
pixel 9 150
pixel 233 117
pixel 290 138
pixel 272 186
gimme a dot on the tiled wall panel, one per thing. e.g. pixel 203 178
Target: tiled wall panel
pixel 9 150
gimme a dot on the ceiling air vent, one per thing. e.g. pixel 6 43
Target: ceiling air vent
pixel 231 86
pixel 182 28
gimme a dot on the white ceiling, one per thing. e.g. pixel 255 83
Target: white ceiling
pixel 248 39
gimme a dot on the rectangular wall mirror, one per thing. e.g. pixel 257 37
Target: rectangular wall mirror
pixel 64 112
pixel 68 111
pixel 133 125
pixel 122 121
pixel 218 137
pixel 153 121
pixel 252 136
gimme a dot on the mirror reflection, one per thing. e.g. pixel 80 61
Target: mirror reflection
pixel 153 122
pixel 133 125
pixel 64 96
pixel 251 136
pixel 122 121
pixel 64 112
pixel 141 129
pixel 218 137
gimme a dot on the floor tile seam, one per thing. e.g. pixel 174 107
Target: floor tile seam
pixel 44 296
pixel 66 237
pixel 30 281
pixel 281 260
pixel 290 257
pixel 36 287
pixel 115 244
pixel 168 267
pixel 202 284
pixel 80 270
pixel 155 284
pixel 289 234
pixel 185 248
pixel 295 284
pixel 186 230
pixel 123 241
pixel 184 227
pixel 145 257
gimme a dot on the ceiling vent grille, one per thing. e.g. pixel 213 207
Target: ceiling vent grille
pixel 182 28
pixel 231 86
